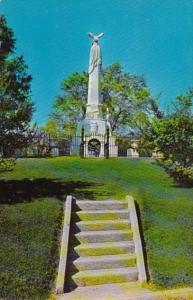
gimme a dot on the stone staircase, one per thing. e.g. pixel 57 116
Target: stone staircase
pixel 101 246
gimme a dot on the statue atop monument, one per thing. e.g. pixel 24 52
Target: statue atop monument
pixel 95 53
pixel 95 37
pixel 95 63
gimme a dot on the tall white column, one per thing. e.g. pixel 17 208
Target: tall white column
pixel 93 101
pixel 95 62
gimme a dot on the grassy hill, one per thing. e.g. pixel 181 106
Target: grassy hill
pixel 31 210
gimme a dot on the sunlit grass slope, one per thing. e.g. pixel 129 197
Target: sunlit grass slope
pixel 30 215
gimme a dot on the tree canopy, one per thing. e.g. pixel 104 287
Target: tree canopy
pixel 172 138
pixel 16 107
pixel 173 135
pixel 127 97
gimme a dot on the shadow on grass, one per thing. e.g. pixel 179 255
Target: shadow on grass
pixel 26 190
pixel 178 180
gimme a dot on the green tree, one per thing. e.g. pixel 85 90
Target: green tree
pixel 173 134
pixel 70 107
pixel 55 130
pixel 172 137
pixel 126 95
pixel 16 106
pixel 50 128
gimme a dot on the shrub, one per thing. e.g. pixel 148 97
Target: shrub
pixel 182 175
pixel 6 164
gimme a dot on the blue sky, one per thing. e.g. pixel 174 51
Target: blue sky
pixel 150 37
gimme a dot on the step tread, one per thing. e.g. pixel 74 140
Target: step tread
pixel 105 244
pixel 103 272
pixel 102 232
pixel 104 276
pixel 101 201
pixel 103 222
pixel 104 214
pixel 99 262
pixel 103 248
pixel 98 205
pixel 99 258
pixel 101 211
pixel 96 225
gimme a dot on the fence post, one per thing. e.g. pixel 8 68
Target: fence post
pixel 107 145
pixel 82 143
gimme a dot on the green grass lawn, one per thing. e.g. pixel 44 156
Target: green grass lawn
pixel 31 209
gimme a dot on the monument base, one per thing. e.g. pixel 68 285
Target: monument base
pixel 94 145
pixel 94 139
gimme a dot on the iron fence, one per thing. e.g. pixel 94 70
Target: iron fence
pixel 83 145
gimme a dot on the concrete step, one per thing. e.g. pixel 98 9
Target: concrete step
pixel 103 262
pixel 94 277
pixel 90 215
pixel 102 225
pixel 107 248
pixel 100 205
pixel 103 236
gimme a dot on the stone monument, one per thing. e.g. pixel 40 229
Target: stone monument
pixel 95 126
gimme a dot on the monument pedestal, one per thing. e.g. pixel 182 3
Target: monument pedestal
pixel 94 126
pixel 94 139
